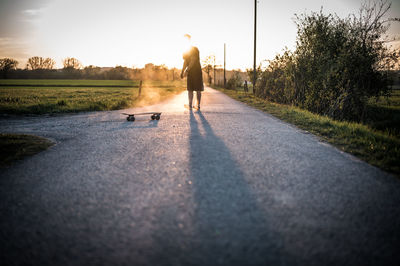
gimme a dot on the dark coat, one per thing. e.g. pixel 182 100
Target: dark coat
pixel 194 73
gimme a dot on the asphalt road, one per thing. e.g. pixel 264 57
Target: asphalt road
pixel 229 185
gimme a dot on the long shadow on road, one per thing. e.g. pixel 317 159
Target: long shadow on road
pixel 229 227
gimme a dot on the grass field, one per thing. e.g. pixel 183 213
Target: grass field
pixel 377 147
pixel 17 146
pixel 61 96
pixel 68 83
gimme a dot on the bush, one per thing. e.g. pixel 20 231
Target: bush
pixel 276 82
pixel 338 64
pixel 235 81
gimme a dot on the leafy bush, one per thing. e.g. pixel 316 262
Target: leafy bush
pixel 276 82
pixel 338 64
pixel 235 81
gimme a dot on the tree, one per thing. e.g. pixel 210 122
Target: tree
pixel 119 73
pixel 251 76
pixel 92 72
pixel 341 63
pixel 208 64
pixel 337 66
pixel 71 63
pixel 235 81
pixel 36 62
pixel 161 72
pixel 276 81
pixel 7 64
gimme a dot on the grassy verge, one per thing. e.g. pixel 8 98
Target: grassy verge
pixel 17 146
pixel 375 147
pixel 20 99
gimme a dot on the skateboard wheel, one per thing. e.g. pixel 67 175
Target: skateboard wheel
pixel 131 118
pixel 157 117
pixel 153 117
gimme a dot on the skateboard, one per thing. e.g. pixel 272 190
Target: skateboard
pixel 154 115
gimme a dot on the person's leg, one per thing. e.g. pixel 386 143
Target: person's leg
pixel 190 94
pixel 198 94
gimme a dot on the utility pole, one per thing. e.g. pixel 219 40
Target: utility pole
pixel 224 65
pixel 214 70
pixel 255 47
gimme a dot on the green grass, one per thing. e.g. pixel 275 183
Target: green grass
pixel 17 146
pixel 384 114
pixel 59 99
pixel 396 87
pixel 68 83
pixel 379 148
pixel 392 102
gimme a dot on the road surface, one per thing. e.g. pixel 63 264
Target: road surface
pixel 229 185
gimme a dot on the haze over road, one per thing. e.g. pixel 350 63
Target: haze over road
pixel 229 185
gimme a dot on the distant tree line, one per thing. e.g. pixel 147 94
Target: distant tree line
pixel 337 65
pixel 43 68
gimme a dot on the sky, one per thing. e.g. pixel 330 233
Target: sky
pixel 135 32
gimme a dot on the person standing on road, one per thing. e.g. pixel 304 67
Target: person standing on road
pixel 192 68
